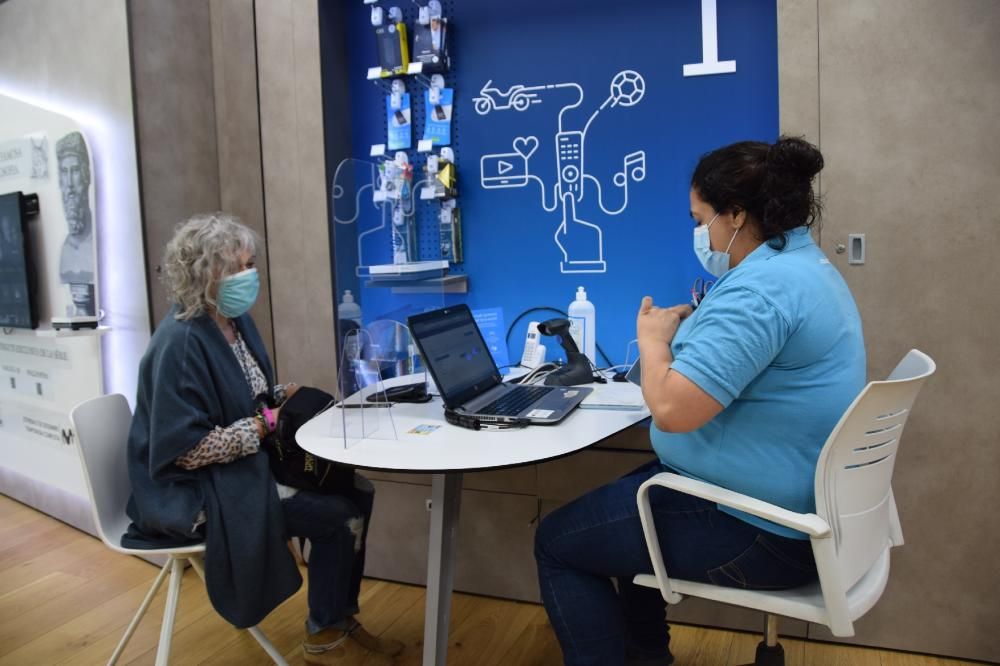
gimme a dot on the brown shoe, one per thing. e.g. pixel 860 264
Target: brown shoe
pixel 332 646
pixel 386 646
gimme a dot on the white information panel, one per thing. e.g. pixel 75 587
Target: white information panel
pixel 45 373
pixel 40 382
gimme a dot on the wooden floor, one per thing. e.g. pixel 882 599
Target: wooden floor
pixel 66 599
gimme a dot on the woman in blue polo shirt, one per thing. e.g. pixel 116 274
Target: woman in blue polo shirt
pixel 743 392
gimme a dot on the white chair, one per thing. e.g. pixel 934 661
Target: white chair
pixel 854 526
pixel 101 427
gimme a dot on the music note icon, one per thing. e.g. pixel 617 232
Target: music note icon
pixel 634 167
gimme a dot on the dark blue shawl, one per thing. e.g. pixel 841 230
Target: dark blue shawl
pixel 189 383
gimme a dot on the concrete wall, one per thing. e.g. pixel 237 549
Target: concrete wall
pixel 291 121
pixel 198 126
pixel 902 97
pixel 230 117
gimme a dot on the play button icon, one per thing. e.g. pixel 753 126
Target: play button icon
pixel 503 170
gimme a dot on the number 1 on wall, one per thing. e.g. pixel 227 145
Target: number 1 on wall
pixel 709 46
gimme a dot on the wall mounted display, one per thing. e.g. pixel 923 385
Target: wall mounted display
pixel 18 298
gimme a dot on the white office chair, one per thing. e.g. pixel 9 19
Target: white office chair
pixel 854 526
pixel 101 427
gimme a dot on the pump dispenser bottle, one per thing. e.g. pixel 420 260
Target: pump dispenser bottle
pixel 348 309
pixel 583 324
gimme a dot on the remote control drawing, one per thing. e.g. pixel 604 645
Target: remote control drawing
pixel 581 242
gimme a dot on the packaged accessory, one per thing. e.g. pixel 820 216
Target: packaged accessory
pixel 450 219
pixel 447 173
pixel 438 106
pixel 429 43
pixel 237 293
pixel 398 117
pixel 390 39
pixel 293 466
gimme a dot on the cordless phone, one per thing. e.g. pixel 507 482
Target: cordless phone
pixel 534 353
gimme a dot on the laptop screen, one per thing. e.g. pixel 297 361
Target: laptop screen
pixel 455 353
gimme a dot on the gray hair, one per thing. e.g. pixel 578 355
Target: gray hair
pixel 204 249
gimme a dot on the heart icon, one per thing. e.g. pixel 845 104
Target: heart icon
pixel 525 146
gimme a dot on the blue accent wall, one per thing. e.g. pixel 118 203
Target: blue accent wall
pixel 512 257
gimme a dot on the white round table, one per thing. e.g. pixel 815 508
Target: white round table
pixel 414 437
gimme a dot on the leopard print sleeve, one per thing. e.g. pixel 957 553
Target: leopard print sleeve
pixel 223 445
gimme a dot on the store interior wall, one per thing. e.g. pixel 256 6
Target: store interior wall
pixel 230 117
pixel 899 94
pixel 197 123
pixel 47 56
pixel 73 58
pixel 902 98
pixel 291 120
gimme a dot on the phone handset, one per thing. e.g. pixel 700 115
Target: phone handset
pixel 534 353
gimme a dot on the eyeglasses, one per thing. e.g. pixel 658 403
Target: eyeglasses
pixel 699 290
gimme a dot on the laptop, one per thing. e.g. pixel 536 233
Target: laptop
pixel 453 349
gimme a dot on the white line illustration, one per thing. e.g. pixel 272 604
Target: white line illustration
pixel 338 193
pixel 517 97
pixel 581 242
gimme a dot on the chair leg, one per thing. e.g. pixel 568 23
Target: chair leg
pixel 143 607
pixel 198 566
pixel 258 635
pixel 269 648
pixel 170 612
pixel 769 650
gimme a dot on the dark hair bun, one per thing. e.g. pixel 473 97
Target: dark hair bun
pixel 771 182
pixel 791 158
pixel 790 166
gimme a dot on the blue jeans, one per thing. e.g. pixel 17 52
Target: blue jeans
pixel 581 546
pixel 337 528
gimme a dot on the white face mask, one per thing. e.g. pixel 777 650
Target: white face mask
pixel 713 261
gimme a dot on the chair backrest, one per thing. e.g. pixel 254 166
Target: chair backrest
pixel 854 471
pixel 101 427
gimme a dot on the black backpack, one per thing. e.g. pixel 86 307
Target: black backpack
pixel 292 465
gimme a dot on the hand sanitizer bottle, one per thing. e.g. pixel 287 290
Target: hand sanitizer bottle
pixel 582 324
pixel 348 309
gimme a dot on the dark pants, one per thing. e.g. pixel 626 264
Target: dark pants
pixel 337 528
pixel 581 546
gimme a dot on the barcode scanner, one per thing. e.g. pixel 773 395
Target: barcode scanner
pixel 577 369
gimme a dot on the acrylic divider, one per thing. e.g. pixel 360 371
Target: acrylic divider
pixel 386 252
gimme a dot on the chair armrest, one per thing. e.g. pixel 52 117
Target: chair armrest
pixel 809 523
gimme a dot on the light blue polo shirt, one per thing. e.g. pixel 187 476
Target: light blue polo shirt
pixel 777 341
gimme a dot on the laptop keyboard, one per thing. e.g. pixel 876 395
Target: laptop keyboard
pixel 513 402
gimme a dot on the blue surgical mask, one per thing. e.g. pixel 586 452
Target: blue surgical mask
pixel 237 293
pixel 713 261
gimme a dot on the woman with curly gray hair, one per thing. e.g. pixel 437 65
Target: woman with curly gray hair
pixel 195 459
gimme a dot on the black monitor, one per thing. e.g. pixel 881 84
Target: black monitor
pixel 18 307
